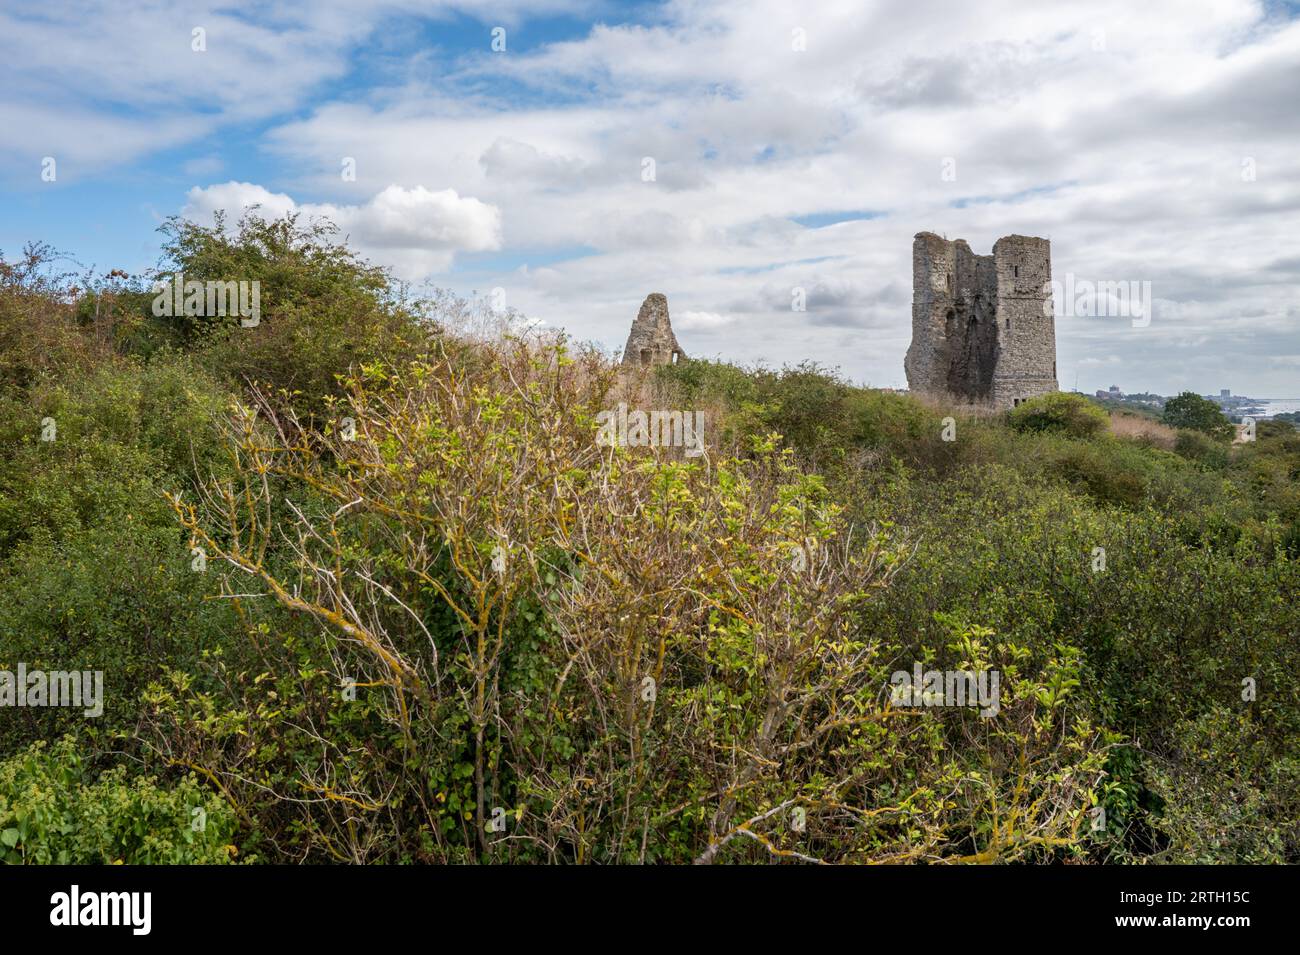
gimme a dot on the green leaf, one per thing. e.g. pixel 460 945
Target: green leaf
pixel 9 837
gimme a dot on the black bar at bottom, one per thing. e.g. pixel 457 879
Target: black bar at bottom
pixel 367 905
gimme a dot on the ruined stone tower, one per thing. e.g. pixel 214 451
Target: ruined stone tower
pixel 982 325
pixel 651 341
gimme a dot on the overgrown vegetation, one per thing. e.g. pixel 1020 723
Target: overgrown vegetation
pixel 364 588
pixel 1189 410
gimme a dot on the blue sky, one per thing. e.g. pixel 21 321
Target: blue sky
pixel 793 146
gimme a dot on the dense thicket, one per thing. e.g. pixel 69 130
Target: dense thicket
pixel 435 621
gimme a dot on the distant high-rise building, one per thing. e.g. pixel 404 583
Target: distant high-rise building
pixel 1225 393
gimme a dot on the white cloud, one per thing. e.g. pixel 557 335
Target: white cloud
pixel 130 58
pixel 233 198
pixel 415 231
pixel 690 321
pixel 1128 157
pixel 1118 130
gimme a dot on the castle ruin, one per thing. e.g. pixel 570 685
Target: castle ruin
pixel 651 341
pixel 983 332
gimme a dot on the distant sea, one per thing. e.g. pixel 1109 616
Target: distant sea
pixel 1273 406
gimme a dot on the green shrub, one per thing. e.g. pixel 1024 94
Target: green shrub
pixel 1228 795
pixel 1088 467
pixel 122 435
pixel 1169 622
pixel 324 310
pixel 1059 411
pixel 50 490
pixel 54 810
pixel 1200 447
pixel 893 422
pixel 117 598
pixel 39 337
pixel 482 687
pixel 1190 410
pixel 701 378
pixel 813 409
pixel 95 574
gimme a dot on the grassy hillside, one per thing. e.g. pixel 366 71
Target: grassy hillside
pixel 365 588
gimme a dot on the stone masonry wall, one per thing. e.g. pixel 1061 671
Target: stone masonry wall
pixel 1027 363
pixel 651 341
pixel 982 329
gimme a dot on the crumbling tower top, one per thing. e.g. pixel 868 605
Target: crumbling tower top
pixel 651 341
